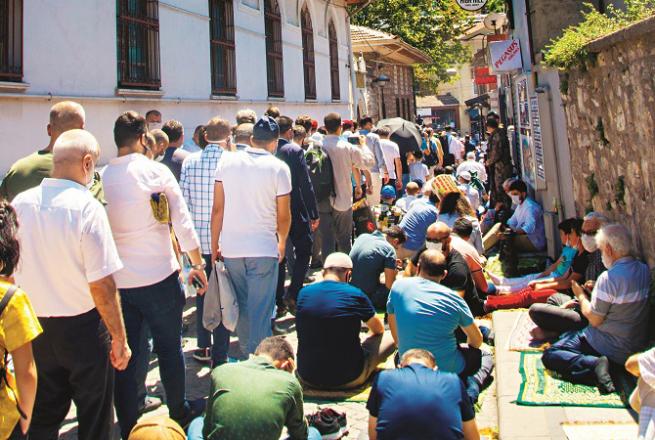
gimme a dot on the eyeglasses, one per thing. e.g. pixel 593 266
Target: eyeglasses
pixel 589 233
pixel 434 240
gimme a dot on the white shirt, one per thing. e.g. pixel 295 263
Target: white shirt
pixel 66 243
pixel 252 180
pixel 455 147
pixel 473 165
pixel 390 151
pixel 144 244
pixel 471 194
pixel 406 202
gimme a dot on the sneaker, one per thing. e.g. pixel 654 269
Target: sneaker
pixel 202 354
pixel 602 371
pixel 150 403
pixel 331 424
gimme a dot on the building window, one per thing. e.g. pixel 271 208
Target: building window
pixel 11 40
pixel 273 29
pixel 138 44
pixel 221 34
pixel 334 62
pixel 309 65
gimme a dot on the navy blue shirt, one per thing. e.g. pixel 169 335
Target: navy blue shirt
pixel 303 200
pixel 173 158
pixel 416 402
pixel 328 320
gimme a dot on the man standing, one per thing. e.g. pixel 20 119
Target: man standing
pixel 499 162
pixel 378 171
pixel 174 155
pixel 197 185
pixel 73 295
pixel 391 153
pixel 454 148
pixel 242 135
pixel 153 120
pixel 336 212
pixel 149 283
pixel 250 223
pixel 29 171
pixel 304 214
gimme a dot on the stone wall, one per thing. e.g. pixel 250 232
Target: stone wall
pixel 610 110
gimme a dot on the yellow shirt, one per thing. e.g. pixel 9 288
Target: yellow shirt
pixel 18 326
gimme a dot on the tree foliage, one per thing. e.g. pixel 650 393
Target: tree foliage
pixel 429 25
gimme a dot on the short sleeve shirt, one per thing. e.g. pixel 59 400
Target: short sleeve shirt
pixel 18 326
pixel 416 222
pixel 328 320
pixel 391 152
pixel 427 315
pixel 371 255
pixel 416 402
pixel 66 243
pixel 252 181
pixel 620 296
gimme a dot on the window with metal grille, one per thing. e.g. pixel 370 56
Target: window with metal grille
pixel 221 34
pixel 334 61
pixel 274 68
pixel 309 66
pixel 11 40
pixel 138 44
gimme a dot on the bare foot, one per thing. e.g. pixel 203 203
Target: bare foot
pixel 542 335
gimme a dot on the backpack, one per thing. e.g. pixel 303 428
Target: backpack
pixel 321 173
pixel 433 158
pixel 4 378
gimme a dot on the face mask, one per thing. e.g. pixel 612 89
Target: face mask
pixel 155 126
pixel 434 246
pixel 589 243
pixel 516 200
pixel 607 262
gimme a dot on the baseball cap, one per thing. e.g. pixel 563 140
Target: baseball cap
pixel 388 192
pixel 265 129
pixel 338 260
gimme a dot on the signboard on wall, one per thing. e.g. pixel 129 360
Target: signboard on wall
pixel 483 76
pixel 505 55
pixel 526 145
pixel 425 111
pixel 471 5
pixel 536 139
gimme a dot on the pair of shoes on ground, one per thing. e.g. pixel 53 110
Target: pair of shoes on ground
pixel 330 423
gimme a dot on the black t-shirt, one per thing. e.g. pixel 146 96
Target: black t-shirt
pixel 580 263
pixel 328 320
pixel 459 279
pixel 416 402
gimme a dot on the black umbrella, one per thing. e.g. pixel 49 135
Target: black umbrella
pixel 406 134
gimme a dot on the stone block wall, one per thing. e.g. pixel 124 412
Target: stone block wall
pixel 610 110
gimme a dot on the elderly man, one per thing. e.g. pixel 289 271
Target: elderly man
pixel 561 313
pixel 472 166
pixel 149 287
pixel 69 258
pixel 29 171
pixel 242 135
pixel 617 313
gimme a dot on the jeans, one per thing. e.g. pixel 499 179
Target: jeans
pixel 255 283
pixel 142 363
pixel 298 253
pixel 336 229
pixel 573 358
pixel 159 305
pixel 477 371
pixel 195 430
pixel 221 335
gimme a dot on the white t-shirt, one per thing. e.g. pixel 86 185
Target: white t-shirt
pixel 390 151
pixel 252 180
pixel 66 243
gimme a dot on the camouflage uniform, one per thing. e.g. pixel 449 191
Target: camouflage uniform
pixel 499 163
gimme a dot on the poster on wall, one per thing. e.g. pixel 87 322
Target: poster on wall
pixel 527 160
pixel 536 139
pixel 526 144
pixel 522 99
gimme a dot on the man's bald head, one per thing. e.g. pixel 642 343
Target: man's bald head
pixel 64 116
pixel 74 155
pixel 432 265
pixel 438 230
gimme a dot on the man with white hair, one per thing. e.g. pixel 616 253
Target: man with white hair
pixel 29 171
pixel 69 258
pixel 617 313
pixel 472 165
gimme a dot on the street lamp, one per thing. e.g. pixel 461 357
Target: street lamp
pixel 380 81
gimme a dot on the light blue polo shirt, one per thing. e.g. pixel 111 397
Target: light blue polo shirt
pixel 416 222
pixel 427 315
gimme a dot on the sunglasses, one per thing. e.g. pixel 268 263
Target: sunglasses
pixel 434 240
pixel 589 233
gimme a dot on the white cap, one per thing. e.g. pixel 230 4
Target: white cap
pixel 338 260
pixel 317 139
pixel 465 175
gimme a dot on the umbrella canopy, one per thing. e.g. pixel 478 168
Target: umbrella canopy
pixel 406 134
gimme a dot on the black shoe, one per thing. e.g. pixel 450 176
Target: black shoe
pixel 316 265
pixel 602 371
pixel 196 408
pixel 150 403
pixel 331 424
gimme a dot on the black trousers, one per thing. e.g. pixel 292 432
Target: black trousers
pixel 72 360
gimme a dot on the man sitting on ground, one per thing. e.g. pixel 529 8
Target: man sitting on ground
pixel 526 226
pixel 420 401
pixel 617 314
pixel 328 320
pixel 413 192
pixel 372 255
pixel 424 313
pixel 255 398
pixel 459 240
pixel 415 224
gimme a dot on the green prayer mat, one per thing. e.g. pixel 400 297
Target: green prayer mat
pixel 542 387
pixel 525 266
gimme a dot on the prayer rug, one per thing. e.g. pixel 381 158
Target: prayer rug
pixel 600 431
pixel 526 265
pixel 520 338
pixel 542 387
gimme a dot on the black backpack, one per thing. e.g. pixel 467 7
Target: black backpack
pixel 3 370
pixel 448 159
pixel 321 173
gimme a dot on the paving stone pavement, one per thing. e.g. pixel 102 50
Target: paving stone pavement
pixel 198 379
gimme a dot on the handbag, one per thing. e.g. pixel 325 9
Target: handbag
pixel 221 306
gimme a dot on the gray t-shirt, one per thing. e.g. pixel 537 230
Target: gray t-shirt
pixel 621 297
pixel 343 156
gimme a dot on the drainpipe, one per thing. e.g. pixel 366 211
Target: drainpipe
pixel 353 77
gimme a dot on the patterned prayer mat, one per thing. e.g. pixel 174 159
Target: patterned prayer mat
pixel 542 387
pixel 520 338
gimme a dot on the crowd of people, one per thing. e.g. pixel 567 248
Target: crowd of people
pixel 271 197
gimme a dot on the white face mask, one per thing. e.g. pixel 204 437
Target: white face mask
pixel 433 246
pixel 589 243
pixel 607 262
pixel 516 200
pixel 155 126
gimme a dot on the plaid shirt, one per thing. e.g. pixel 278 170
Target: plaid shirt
pixel 197 184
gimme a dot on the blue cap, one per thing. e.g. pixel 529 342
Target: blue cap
pixel 265 129
pixel 388 192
